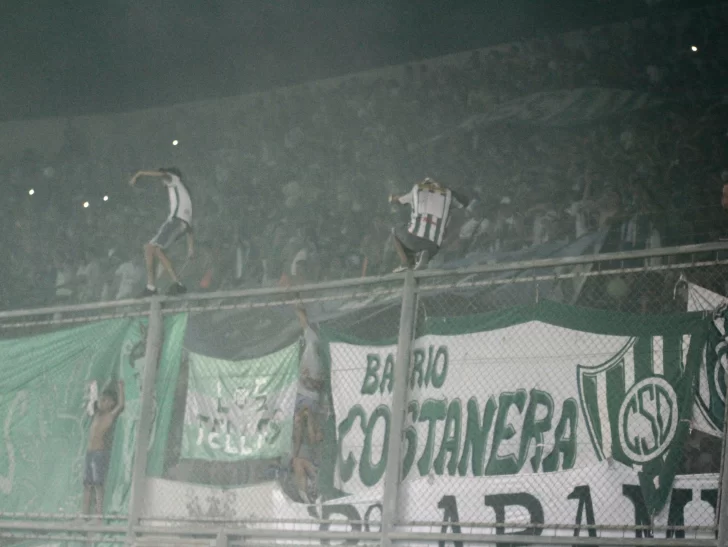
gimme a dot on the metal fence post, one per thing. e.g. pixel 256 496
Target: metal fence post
pixel 155 333
pixel 722 512
pixel 399 406
pixel 222 539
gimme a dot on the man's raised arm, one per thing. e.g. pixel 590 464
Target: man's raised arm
pixel 138 174
pixel 302 316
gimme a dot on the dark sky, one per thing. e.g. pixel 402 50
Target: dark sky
pixel 65 57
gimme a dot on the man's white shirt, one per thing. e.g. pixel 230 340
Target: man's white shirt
pixel 180 203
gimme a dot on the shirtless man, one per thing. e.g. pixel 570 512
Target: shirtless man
pixel 108 409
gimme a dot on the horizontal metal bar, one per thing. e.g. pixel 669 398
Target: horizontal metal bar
pixel 268 304
pixel 151 521
pixel 88 526
pixel 83 539
pixel 470 538
pixel 93 306
pixel 35 528
pixel 301 534
pixel 574 261
pixel 57 516
pixel 368 281
pixel 552 540
pixel 567 275
pixel 70 320
pixel 559 526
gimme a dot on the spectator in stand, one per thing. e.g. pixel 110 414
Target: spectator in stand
pixel 88 278
pixel 542 219
pixel 473 228
pixel 301 259
pixel 242 261
pixel 316 145
pixel 65 281
pixel 374 253
pixel 130 276
pixel 430 203
pixel 507 232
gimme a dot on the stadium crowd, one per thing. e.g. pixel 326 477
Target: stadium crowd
pixel 620 127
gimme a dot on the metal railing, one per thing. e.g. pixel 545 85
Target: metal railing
pixel 417 296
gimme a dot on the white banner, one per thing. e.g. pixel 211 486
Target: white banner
pixel 605 495
pixel 519 398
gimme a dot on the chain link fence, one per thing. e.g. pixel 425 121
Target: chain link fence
pixel 561 401
pixel 554 399
pixel 253 440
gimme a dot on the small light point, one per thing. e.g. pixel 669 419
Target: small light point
pixel 106 198
pixel 31 192
pixel 175 142
pixel 694 48
pixel 85 204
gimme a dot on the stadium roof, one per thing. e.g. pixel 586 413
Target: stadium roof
pixel 68 58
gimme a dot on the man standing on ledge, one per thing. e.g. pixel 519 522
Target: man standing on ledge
pixel 178 223
pixel 421 240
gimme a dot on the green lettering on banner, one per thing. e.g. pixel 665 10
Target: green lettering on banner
pixel 347 465
pixel 410 435
pixel 534 429
pixel 450 439
pixel 433 376
pixel 476 436
pixel 565 445
pixel 505 465
pixel 370 473
pixel 369 386
pixel 417 362
pixel 388 374
pixel 432 411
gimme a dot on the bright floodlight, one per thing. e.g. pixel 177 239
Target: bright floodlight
pixel 31 192
pixel 85 204
pixel 106 198
pixel 175 142
pixel 694 48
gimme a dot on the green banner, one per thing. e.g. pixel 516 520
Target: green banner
pixel 132 363
pixel 240 410
pixel 48 386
